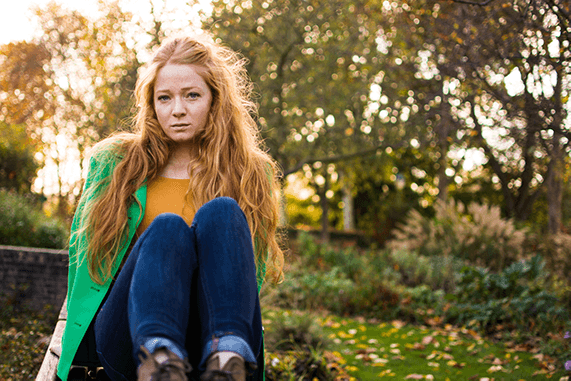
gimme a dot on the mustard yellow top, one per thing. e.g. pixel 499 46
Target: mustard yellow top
pixel 165 195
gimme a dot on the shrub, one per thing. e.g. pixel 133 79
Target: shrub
pixel 439 272
pixel 293 346
pixel 299 364
pixel 556 250
pixel 477 234
pixel 22 223
pixel 315 290
pixel 342 281
pixel 514 296
pixel 294 329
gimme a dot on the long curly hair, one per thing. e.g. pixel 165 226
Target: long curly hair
pixel 228 160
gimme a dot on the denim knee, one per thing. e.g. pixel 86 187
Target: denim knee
pixel 168 221
pixel 218 210
pixel 168 230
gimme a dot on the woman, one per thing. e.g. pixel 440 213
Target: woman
pixel 175 227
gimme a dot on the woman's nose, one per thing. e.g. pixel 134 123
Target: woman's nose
pixel 178 109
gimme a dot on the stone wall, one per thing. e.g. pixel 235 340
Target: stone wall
pixel 33 277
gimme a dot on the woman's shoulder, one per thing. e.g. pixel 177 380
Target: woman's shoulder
pixel 110 150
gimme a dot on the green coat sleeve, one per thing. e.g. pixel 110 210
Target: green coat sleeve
pixel 83 295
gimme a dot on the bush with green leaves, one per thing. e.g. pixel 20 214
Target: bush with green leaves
pixel 344 281
pixel 304 363
pixel 439 272
pixel 315 290
pixel 516 296
pixel 477 233
pixel 22 223
pixel 293 329
pixel 556 250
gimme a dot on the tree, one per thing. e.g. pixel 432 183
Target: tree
pixel 71 87
pixel 314 64
pixel 18 166
pixel 474 52
pixel 25 84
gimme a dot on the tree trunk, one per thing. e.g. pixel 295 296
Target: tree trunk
pixel 322 191
pixel 442 177
pixel 557 162
pixel 348 209
pixel 555 188
pixel 283 220
pixel 443 129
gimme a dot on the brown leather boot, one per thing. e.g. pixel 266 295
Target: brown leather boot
pixel 232 369
pixel 162 365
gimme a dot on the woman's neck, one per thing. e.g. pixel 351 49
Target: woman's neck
pixel 177 165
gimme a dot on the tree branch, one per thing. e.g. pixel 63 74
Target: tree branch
pixel 482 3
pixel 337 158
pixel 565 14
pixel 494 163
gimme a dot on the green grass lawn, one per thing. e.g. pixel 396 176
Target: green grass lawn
pixel 369 350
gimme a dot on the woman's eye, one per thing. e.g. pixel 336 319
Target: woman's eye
pixel 193 95
pixel 163 98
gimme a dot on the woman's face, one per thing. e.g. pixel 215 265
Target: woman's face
pixel 182 101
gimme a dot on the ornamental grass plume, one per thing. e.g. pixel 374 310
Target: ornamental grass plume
pixel 477 233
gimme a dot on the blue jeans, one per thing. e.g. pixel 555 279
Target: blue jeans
pixel 191 289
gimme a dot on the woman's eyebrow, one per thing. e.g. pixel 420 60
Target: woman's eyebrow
pixel 157 90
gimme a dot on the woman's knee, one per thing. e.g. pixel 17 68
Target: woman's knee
pixel 167 229
pixel 220 210
pixel 168 221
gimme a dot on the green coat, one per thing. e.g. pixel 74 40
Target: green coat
pixel 83 295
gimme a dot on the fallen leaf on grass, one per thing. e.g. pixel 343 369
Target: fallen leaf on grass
pixel 414 376
pixel 416 346
pixel 446 356
pixel 365 351
pixel 427 340
pixel 496 368
pixel 434 321
pixel 363 357
pixel 497 361
pixel 387 372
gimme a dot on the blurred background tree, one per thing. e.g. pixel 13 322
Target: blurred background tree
pixel 18 166
pixel 374 107
pixel 505 68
